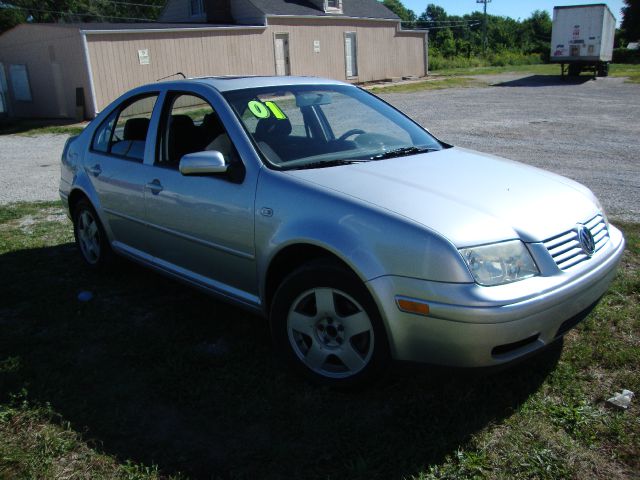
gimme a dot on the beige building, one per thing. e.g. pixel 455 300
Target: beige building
pixel 76 70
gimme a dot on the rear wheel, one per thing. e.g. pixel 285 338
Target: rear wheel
pixel 90 236
pixel 327 326
pixel 603 70
pixel 574 70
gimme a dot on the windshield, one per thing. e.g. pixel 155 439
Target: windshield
pixel 314 126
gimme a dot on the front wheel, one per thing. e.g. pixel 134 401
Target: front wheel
pixel 327 326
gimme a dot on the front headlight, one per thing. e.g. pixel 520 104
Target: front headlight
pixel 500 263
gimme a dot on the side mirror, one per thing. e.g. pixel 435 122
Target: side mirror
pixel 210 162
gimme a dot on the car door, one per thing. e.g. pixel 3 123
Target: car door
pixel 116 170
pixel 201 227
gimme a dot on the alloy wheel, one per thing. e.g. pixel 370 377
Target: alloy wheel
pixel 330 332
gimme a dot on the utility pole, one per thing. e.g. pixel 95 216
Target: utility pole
pixel 484 26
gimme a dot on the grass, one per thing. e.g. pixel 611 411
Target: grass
pixel 632 72
pixel 151 379
pixel 538 69
pixel 435 84
pixel 615 70
pixel 496 58
pixel 459 77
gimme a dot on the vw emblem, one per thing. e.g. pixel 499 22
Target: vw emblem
pixel 586 241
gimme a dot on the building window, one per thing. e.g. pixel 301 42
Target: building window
pixel 333 6
pixel 197 8
pixel 20 82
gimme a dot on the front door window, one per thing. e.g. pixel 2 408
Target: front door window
pixel 192 126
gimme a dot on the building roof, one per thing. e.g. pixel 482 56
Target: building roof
pixel 99 27
pixel 140 26
pixel 350 8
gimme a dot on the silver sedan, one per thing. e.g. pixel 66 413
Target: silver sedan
pixel 360 236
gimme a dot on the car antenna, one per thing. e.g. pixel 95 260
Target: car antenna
pixel 172 75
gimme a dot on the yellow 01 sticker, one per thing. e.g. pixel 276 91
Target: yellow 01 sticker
pixel 265 110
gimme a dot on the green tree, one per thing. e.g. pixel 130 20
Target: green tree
pixel 536 33
pixel 10 17
pixel 435 17
pixel 49 11
pixel 433 14
pixel 446 42
pixel 631 20
pixel 405 14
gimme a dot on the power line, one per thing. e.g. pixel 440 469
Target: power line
pixel 446 21
pixel 453 24
pixel 456 26
pixel 453 27
pixel 456 22
pixel 131 4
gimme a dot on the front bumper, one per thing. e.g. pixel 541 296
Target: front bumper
pixel 474 326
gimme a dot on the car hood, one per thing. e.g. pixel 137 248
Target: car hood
pixel 470 198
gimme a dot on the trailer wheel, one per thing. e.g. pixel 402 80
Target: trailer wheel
pixel 574 70
pixel 603 70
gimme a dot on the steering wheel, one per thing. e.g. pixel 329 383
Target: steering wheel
pixel 348 133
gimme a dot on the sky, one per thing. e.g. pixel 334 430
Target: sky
pixel 516 9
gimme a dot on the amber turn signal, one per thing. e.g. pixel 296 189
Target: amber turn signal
pixel 412 306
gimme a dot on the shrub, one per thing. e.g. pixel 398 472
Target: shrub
pixel 506 57
pixel 496 59
pixel 624 55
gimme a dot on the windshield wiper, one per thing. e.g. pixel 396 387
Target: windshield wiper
pixel 402 152
pixel 328 163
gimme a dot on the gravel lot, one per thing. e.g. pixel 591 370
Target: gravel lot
pixel 586 131
pixel 30 167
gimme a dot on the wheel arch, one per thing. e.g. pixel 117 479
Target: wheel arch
pixel 292 257
pixel 75 196
pixel 322 265
pixel 78 193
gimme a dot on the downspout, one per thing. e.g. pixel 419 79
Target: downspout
pixel 87 60
pixel 426 53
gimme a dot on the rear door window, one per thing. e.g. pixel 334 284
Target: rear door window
pixel 124 133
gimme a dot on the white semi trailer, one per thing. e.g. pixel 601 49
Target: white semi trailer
pixel 582 38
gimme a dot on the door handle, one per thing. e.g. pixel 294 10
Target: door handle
pixel 155 186
pixel 95 170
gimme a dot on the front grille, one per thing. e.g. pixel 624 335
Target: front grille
pixel 565 248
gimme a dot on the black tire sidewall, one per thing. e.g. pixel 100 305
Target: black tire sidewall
pixel 326 274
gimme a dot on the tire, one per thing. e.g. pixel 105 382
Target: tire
pixel 326 325
pixel 574 70
pixel 91 239
pixel 603 70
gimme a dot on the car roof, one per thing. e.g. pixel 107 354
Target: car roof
pixel 228 83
